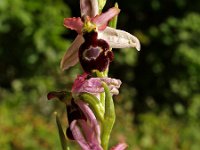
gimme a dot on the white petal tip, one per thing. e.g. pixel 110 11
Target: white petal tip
pixel 138 47
pixel 137 43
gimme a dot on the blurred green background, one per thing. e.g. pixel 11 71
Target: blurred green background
pixel 159 103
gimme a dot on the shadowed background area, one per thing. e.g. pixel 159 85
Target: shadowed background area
pixel 159 103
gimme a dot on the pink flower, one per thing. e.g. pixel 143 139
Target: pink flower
pixel 83 125
pixel 86 132
pixel 94 85
pixel 98 52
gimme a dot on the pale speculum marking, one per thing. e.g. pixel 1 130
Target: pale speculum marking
pixel 92 53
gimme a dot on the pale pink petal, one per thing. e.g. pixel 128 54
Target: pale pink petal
pixel 111 81
pixel 120 146
pixel 113 84
pixel 114 91
pixel 71 56
pixel 74 24
pixel 102 19
pixel 89 8
pixel 119 38
pixel 78 136
pixel 91 118
pixel 90 136
pixel 94 85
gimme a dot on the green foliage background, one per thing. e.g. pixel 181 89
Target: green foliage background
pixel 159 104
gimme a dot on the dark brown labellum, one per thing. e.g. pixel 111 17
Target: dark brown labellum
pixel 73 113
pixel 94 54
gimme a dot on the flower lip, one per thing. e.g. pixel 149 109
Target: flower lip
pixel 73 113
pixel 93 54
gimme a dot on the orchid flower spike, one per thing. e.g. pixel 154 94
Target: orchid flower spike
pixel 92 46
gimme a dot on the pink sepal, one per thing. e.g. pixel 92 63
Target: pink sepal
pixel 74 24
pixel 102 20
pixel 89 7
pixel 70 57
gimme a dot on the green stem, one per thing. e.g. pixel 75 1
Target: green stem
pixel 99 74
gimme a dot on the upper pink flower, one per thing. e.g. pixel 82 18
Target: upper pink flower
pixel 91 20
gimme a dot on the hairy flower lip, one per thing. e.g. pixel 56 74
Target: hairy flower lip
pixel 115 38
pixel 98 58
